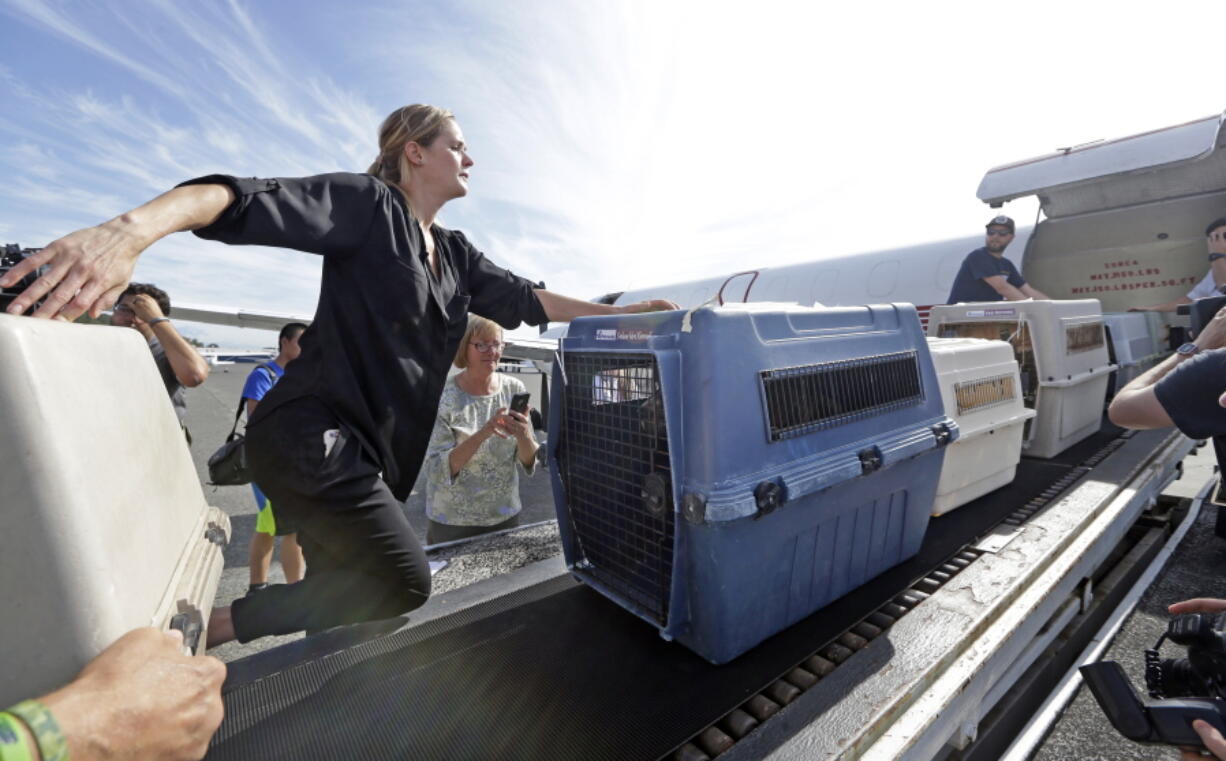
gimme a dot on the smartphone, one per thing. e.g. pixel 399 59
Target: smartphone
pixel 519 402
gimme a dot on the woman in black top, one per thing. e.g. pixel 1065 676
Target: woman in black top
pixel 337 443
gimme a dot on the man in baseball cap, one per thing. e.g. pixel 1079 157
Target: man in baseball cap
pixel 986 275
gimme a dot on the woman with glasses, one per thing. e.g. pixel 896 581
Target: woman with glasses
pixel 479 444
pixel 338 442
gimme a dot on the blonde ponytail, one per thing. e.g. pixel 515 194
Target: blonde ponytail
pixel 417 123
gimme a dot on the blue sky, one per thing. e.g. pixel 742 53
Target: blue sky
pixel 617 144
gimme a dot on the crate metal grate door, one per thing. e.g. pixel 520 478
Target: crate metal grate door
pixel 800 400
pixel 983 393
pixel 1083 337
pixel 613 450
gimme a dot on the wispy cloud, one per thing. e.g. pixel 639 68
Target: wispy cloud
pixel 617 144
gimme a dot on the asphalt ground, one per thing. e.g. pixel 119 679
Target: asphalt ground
pixel 210 413
pixel 1195 569
pixel 1081 732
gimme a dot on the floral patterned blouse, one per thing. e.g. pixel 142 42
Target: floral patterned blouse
pixel 486 490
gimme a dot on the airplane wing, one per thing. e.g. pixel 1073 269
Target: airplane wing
pixel 237 318
pixel 532 349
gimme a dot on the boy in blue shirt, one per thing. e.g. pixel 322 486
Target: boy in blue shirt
pixel 267 527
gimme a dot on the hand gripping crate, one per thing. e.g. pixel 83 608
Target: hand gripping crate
pixel 982 392
pixel 1061 351
pixel 1131 346
pixel 725 472
pixel 105 524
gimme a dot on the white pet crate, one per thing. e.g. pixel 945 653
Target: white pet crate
pixel 1061 351
pixel 1131 344
pixel 982 392
pixel 105 524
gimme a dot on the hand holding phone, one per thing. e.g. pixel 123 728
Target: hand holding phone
pixel 519 403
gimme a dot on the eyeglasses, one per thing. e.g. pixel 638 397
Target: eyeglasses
pixel 484 346
pixel 999 233
pixel 123 309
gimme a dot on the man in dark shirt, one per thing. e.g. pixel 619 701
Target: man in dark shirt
pixel 986 275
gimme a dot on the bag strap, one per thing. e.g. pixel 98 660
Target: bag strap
pixel 238 412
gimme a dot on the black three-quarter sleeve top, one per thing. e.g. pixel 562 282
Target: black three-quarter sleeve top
pixel 386 328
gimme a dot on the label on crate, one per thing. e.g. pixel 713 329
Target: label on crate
pixel 990 312
pixel 632 336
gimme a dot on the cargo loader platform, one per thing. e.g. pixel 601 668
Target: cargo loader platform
pixel 900 668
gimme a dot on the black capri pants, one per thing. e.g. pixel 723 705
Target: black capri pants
pixel 363 561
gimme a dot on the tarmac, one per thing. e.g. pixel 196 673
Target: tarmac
pixel 210 413
pixel 1081 730
pixel 1194 570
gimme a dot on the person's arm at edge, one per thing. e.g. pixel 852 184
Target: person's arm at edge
pixel 561 308
pixel 189 367
pixel 1137 406
pixel 25 739
pixel 1033 293
pixel 1169 306
pixel 142 680
pixel 90 268
pixel 1000 284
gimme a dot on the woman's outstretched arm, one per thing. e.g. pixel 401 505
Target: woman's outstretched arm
pixel 564 308
pixel 90 268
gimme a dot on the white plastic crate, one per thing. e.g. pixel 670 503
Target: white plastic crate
pixel 1061 350
pixel 982 392
pixel 105 524
pixel 1133 344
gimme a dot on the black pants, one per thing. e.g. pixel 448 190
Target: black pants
pixel 363 560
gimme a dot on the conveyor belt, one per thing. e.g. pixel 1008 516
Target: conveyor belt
pixel 556 671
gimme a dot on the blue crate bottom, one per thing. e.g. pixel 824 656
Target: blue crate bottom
pixel 744 580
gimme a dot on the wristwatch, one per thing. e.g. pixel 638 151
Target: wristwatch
pixel 1188 350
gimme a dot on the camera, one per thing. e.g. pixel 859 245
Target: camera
pixel 1180 689
pixel 1201 311
pixel 11 254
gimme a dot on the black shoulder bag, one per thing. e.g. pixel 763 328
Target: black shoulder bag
pixel 228 465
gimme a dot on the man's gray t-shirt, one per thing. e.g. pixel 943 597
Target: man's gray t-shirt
pixel 173 387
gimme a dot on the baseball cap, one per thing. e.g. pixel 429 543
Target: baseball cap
pixel 1002 221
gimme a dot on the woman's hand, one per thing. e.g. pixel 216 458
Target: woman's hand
pixel 88 269
pixel 518 424
pixel 495 426
pixel 654 305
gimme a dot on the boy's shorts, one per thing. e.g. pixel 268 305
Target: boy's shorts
pixel 265 522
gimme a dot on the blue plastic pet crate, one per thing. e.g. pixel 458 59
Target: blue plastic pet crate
pixel 725 473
